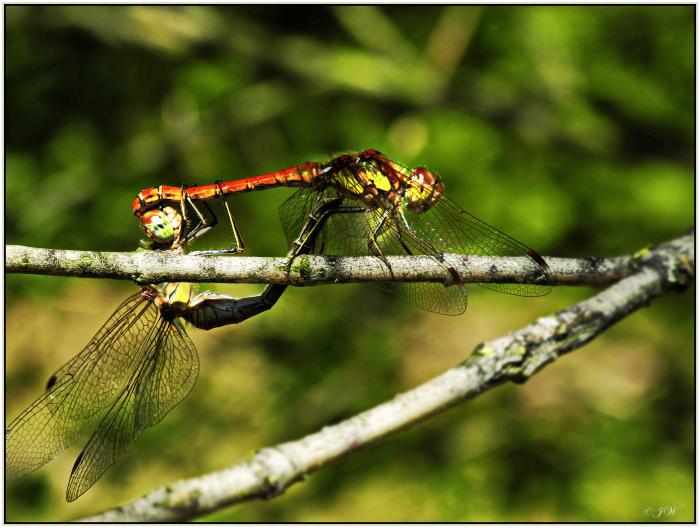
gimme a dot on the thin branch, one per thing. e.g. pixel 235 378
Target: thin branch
pixel 515 357
pixel 160 266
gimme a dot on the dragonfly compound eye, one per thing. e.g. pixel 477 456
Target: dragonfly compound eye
pixel 425 191
pixel 158 226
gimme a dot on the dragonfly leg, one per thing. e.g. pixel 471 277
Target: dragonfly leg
pixel 314 222
pixel 323 210
pixel 399 233
pixel 428 248
pixel 204 224
pixel 238 246
pixel 372 243
pixel 201 227
pixel 238 241
pixel 183 212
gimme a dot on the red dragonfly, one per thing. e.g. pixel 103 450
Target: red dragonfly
pixel 138 366
pixel 383 209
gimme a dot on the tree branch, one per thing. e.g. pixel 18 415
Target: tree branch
pixel 161 266
pixel 516 357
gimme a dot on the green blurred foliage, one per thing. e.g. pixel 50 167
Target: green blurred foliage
pixel 571 128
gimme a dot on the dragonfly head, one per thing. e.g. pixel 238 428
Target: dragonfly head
pixel 426 190
pixel 162 225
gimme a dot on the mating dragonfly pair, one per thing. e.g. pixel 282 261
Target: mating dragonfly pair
pixel 142 363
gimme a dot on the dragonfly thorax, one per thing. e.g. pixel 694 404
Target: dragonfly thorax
pixel 424 190
pixel 173 298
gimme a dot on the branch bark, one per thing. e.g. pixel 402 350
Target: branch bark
pixel 516 357
pixel 149 267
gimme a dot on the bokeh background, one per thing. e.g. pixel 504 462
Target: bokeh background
pixel 570 128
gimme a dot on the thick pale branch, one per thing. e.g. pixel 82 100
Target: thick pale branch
pixel 514 357
pixel 158 266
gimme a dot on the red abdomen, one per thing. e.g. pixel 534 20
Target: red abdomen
pixel 297 176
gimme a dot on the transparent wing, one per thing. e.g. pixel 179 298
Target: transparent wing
pixel 349 234
pixel 295 210
pixel 451 229
pixel 165 375
pixel 448 228
pixel 397 239
pixel 80 391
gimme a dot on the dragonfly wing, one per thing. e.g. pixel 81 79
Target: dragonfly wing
pixel 451 229
pixel 165 375
pixel 397 239
pixel 335 233
pixel 294 212
pixel 432 296
pixel 80 391
pixel 348 234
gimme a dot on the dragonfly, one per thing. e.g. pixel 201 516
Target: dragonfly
pixel 383 208
pixel 137 367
